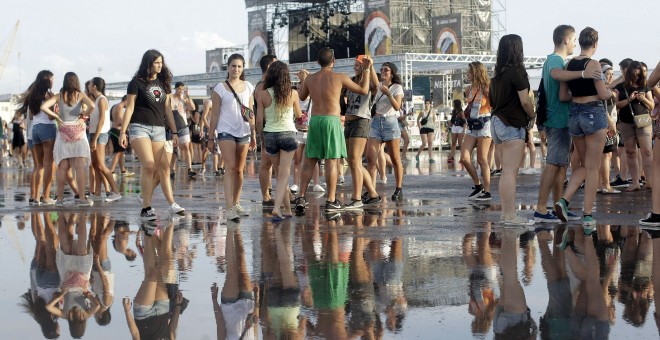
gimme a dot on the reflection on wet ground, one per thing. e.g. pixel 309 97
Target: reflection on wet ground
pixel 430 267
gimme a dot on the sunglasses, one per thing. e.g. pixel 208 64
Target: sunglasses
pixel 384 69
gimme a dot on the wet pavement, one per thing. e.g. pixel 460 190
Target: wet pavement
pixel 432 266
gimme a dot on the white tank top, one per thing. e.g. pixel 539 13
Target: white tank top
pixel 95 118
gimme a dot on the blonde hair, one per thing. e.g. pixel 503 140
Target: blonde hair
pixel 480 77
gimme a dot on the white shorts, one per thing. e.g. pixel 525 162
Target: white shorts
pixel 185 139
pixel 456 129
pixel 301 137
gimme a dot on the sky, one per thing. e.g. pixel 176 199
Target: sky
pixel 83 36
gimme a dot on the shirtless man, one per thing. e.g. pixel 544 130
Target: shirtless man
pixel 117 117
pixel 325 138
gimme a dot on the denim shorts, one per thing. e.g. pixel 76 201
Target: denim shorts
pixel 223 136
pixel 43 133
pixel 559 146
pixel 280 141
pixel 502 133
pixel 103 138
pixel 586 119
pixel 30 144
pixel 154 133
pixel 384 129
pixel 160 307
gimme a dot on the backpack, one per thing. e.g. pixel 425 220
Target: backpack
pixel 541 106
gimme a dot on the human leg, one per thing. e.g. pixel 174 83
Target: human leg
pixel 265 174
pixel 430 136
pixel 467 147
pixel 228 149
pixel 512 152
pixel 483 148
pixel 144 151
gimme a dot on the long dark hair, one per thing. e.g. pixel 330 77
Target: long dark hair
pixel 632 80
pixel 143 72
pixel 36 93
pixel 233 57
pixel 37 309
pixel 396 79
pixel 100 84
pixel 278 78
pixel 70 88
pixel 510 54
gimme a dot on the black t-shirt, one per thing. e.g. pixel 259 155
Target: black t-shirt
pixel 149 103
pixel 625 115
pixel 155 327
pixel 504 97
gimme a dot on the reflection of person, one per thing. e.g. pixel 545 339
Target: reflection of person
pixel 387 270
pixel 483 280
pixel 237 314
pixel 635 277
pixel 103 279
pixel 154 316
pixel 282 292
pixel 120 240
pixel 590 318
pixel 556 320
pixel 44 277
pixel 364 320
pixel 512 316
pixel 74 263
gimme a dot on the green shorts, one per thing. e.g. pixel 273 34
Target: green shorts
pixel 329 284
pixel 325 138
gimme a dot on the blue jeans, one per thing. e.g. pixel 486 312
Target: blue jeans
pixel 154 133
pixel 502 133
pixel 559 146
pixel 586 119
pixel 384 129
pixel 103 138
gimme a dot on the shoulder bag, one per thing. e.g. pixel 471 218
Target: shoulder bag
pixel 246 112
pixel 425 119
pixel 373 107
pixel 640 120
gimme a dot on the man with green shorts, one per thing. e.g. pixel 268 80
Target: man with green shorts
pixel 325 138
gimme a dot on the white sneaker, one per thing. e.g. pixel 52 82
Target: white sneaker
pixel 232 215
pixel 294 188
pixel 318 188
pixel 383 180
pixel 96 198
pixel 113 197
pixel 83 202
pixel 176 209
pixel 240 211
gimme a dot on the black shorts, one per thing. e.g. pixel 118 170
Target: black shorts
pixel 424 131
pixel 357 128
pixel 280 141
pixel 196 139
pixel 114 137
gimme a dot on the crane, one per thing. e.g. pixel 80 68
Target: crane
pixel 10 43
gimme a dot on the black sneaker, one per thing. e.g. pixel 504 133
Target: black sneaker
pixel 372 200
pixel 332 216
pixel 268 204
pixel 191 173
pixel 365 196
pixel 300 203
pixel 652 220
pixel 333 206
pixel 354 205
pixel 397 195
pixel 172 174
pixel 477 189
pixel 148 214
pixel 216 173
pixel 222 171
pixel 496 173
pixel 483 196
pixel 619 183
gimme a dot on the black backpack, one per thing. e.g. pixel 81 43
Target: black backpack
pixel 541 106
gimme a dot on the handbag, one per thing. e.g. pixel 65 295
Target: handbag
pixel 246 112
pixel 641 120
pixel 373 106
pixel 425 119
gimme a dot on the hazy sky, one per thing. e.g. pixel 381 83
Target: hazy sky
pixel 81 36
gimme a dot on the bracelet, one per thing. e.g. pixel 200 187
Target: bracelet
pixel 582 73
pixel 175 133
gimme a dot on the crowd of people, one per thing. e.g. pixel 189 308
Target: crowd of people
pixel 332 119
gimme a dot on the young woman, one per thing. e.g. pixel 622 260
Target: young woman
pixel 457 127
pixel 611 141
pixel 18 141
pixel 513 111
pixel 356 132
pixel 196 138
pixel 71 149
pixel 148 109
pixel 99 126
pixel 587 124
pixel 232 100
pixel 653 218
pixel 634 98
pixel 426 121
pixel 279 104
pixel 384 126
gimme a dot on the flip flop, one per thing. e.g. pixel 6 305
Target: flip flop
pixel 276 218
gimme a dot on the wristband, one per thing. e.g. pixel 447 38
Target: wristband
pixel 582 73
pixel 175 133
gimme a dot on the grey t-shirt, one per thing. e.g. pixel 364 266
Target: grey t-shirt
pixel 358 105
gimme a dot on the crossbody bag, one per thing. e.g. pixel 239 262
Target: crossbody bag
pixel 639 120
pixel 246 112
